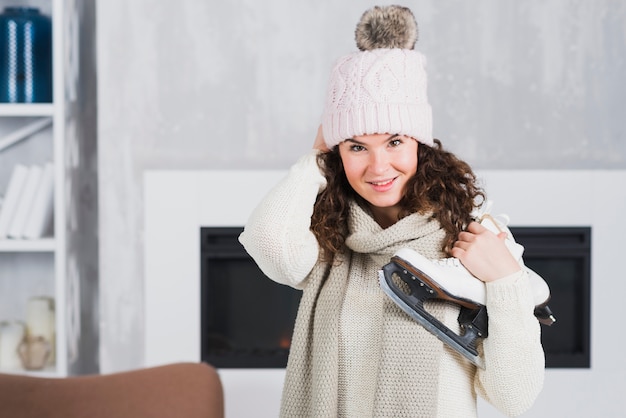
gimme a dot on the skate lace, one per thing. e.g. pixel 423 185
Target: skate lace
pixel 485 211
pixel 478 213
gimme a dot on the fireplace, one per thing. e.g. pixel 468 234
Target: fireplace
pixel 247 319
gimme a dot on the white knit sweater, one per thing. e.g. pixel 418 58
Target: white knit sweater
pixel 354 353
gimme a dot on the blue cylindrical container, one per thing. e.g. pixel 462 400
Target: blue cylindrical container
pixel 25 56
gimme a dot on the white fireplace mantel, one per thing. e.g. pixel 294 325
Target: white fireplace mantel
pixel 178 203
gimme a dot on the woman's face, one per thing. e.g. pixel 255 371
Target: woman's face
pixel 378 168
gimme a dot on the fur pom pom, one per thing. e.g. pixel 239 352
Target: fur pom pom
pixel 386 27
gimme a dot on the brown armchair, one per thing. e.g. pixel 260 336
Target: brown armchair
pixel 190 390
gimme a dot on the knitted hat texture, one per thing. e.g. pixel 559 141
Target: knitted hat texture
pixel 380 89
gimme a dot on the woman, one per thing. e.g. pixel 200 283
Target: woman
pixel 377 182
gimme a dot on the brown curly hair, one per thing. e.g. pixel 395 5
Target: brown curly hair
pixel 443 185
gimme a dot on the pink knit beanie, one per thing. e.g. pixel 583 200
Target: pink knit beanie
pixel 382 88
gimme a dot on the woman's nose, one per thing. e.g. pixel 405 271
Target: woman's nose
pixel 379 162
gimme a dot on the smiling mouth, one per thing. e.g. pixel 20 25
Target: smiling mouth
pixel 381 183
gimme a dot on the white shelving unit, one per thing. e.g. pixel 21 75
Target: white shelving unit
pixel 9 109
pixel 62 265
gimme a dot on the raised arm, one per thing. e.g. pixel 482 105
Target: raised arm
pixel 277 234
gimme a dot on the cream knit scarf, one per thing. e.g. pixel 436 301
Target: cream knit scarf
pixel 354 353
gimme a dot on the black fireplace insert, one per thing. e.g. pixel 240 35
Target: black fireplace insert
pixel 247 319
pixel 562 256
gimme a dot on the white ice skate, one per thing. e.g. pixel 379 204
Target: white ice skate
pixel 447 279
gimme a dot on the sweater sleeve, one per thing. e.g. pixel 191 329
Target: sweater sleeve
pixel 514 358
pixel 277 235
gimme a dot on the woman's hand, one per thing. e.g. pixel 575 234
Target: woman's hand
pixel 484 253
pixel 319 143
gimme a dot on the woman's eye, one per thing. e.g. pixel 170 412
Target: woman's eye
pixel 357 147
pixel 395 142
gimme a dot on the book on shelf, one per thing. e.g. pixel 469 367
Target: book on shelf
pixel 12 197
pixel 40 214
pixel 25 202
pixel 29 202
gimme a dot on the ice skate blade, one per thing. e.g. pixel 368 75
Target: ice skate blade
pixel 431 324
